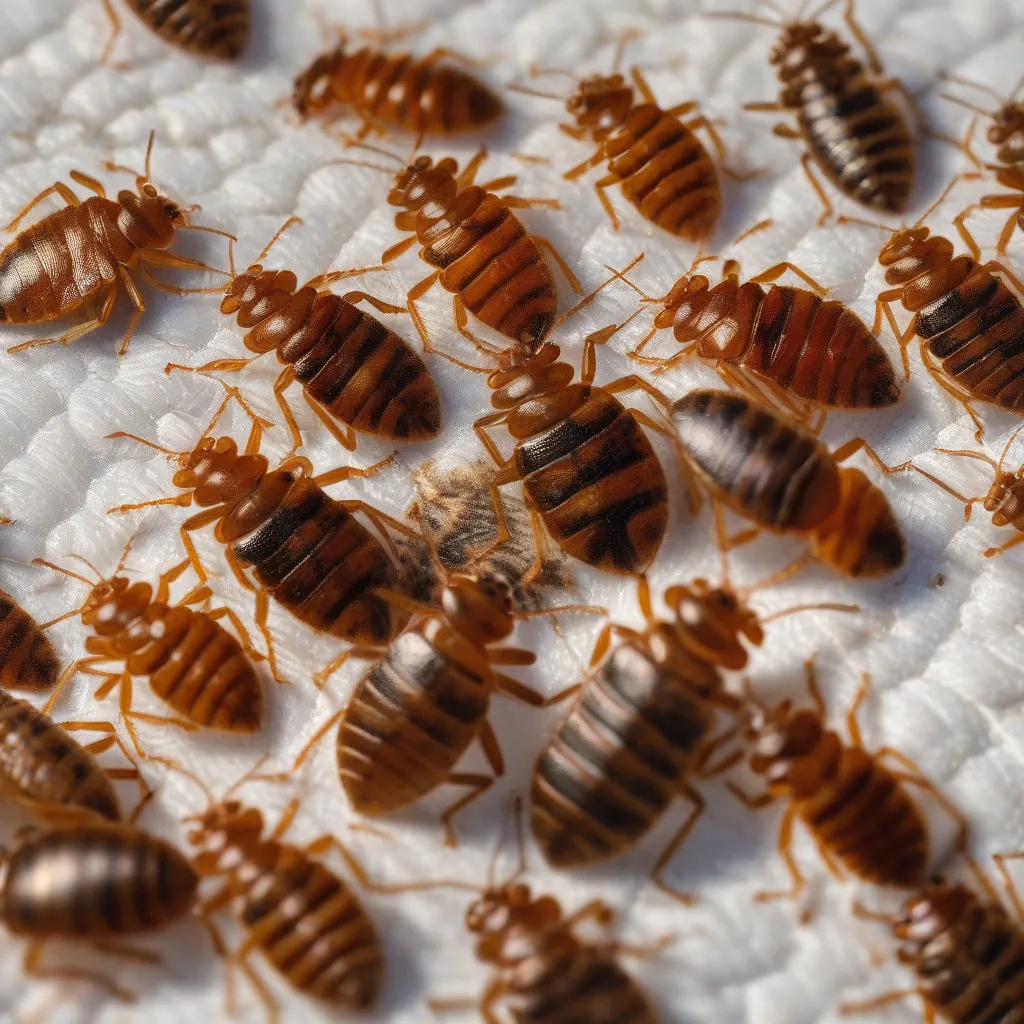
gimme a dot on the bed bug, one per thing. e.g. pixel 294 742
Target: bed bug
pixel 792 340
pixel 771 470
pixel 98 882
pixel 77 257
pixel 192 663
pixel 28 660
pixel 308 551
pixel 201 27
pixel 856 136
pixel 351 367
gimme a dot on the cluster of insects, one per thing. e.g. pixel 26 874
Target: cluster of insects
pixel 570 475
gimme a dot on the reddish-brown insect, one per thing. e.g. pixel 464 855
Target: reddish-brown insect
pixel 76 258
pixel 350 366
pixel 858 138
pixel 28 660
pixel 414 94
pixel 779 474
pixel 789 339
pixel 92 882
pixel 307 550
pixel 203 27
pixel 856 806
pixel 192 663
pixel 588 470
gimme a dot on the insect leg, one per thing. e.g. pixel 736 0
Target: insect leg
pixel 696 810
pixel 1000 268
pixel 137 301
pixel 115 30
pixel 716 140
pixel 589 164
pixel 59 189
pixel 604 640
pixel 775 272
pixel 479 783
pixel 33 966
pixel 805 162
pixel 82 665
pixel 469 172
pixel 518 691
pixel 380 304
pixel 398 248
pixel 111 738
pixel 412 296
pixel 462 326
pixel 874 61
pixel 642 86
pixel 89 182
pixel 480 429
pixel 321 677
pixel 243 634
pixel 574 283
pixel 786 852
pixel 262 608
pixel 1008 228
pixel 77 332
pixel 196 522
pixel 281 385
pixel 879 1002
pixel 599 187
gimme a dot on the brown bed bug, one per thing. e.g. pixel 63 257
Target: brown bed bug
pixel 28 660
pixel 308 550
pixel 201 27
pixel 97 882
pixel 854 802
pixel 590 474
pixel 76 258
pixel 351 367
pixel 771 470
pixel 857 137
pixel 191 661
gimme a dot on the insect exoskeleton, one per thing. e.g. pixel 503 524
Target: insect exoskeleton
pixel 857 137
pixel 307 550
pixel 28 660
pixel 773 471
pixel 95 881
pixel 355 373
pixel 76 258
pixel 200 27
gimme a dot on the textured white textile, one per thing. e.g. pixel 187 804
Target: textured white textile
pixel 942 638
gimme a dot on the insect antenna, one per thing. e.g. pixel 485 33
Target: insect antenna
pixel 175 766
pixel 743 16
pixel 743 594
pixel 942 197
pixel 270 245
pixel 518 87
pixel 91 584
pixel 980 86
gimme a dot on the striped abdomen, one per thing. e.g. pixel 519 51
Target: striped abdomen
pixel 309 926
pixel 665 172
pixel 316 559
pixel 595 479
pixel 198 668
pixel 426 98
pixel 859 138
pixel 43 764
pixel 617 761
pixel 973 325
pixel 61 262
pixel 94 881
pixel 411 719
pixel 28 660
pixel 489 260
pixel 212 28
pixel 759 465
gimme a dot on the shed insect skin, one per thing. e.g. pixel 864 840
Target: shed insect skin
pixel 199 27
pixel 307 549
pixel 858 138
pixel 779 474
pixel 355 373
pixel 74 258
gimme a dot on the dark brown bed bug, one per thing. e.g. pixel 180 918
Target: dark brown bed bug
pixel 588 470
pixel 28 660
pixel 77 257
pixel 857 137
pixel 769 469
pixel 308 551
pixel 207 28
pixel 191 661
pixel 351 367
pixel 97 882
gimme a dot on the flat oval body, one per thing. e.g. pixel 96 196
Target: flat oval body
pixel 779 475
pixel 411 718
pixel 198 668
pixel 28 660
pixel 617 760
pixel 363 373
pixel 488 258
pixel 596 481
pixel 316 559
pixel 210 28
pixel 41 764
pixel 665 172
pixel 94 881
pixel 62 262
pixel 309 925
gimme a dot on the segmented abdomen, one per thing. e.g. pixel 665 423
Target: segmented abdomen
pixel 309 926
pixel 323 565
pixel 93 881
pixel 489 260
pixel 45 765
pixel 28 660
pixel 975 329
pixel 858 137
pixel 617 761
pixel 665 172
pixel 596 481
pixel 776 474
pixel 411 719
pixel 213 29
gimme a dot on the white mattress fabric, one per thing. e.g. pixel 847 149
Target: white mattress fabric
pixel 942 638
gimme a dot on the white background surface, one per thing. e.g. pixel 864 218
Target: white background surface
pixel 945 660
